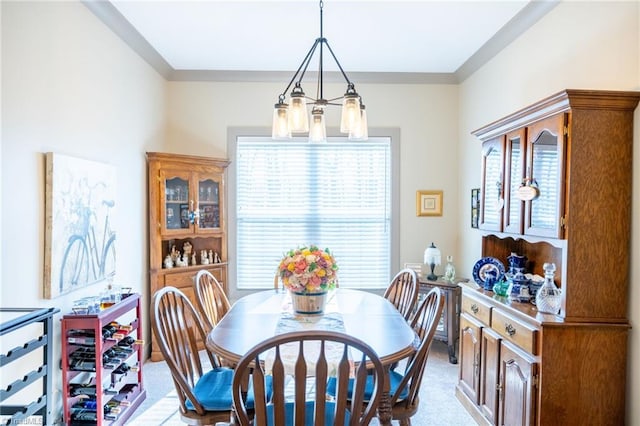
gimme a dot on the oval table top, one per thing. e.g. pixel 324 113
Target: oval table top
pixel 367 316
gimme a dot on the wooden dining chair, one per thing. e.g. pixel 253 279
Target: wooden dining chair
pixel 204 397
pixel 403 292
pixel 276 281
pixel 309 374
pixel 404 387
pixel 212 303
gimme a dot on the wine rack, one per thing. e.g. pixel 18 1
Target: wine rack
pixel 102 364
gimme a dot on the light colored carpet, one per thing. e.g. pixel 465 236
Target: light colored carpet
pixel 438 404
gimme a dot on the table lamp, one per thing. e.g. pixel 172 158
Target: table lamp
pixel 432 257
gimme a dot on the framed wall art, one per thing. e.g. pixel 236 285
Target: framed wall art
pixel 475 207
pixel 80 239
pixel 429 203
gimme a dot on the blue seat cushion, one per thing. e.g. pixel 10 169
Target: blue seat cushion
pixel 395 378
pixel 308 414
pixel 213 390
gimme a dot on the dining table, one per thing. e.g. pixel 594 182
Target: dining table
pixel 364 315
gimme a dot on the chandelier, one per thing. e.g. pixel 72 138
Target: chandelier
pixel 292 117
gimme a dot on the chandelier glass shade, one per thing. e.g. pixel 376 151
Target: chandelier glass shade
pixel 292 116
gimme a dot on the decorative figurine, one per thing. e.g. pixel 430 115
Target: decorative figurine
pixel 193 259
pixel 450 270
pixel 186 249
pixel 182 261
pixel 216 259
pixel 168 262
pixel 203 257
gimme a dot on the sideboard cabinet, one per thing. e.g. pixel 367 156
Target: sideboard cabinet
pixel 449 324
pixel 556 187
pixel 186 213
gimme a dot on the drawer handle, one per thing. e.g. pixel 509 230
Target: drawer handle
pixel 474 308
pixel 509 329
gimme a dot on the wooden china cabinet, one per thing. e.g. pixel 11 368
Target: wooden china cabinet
pixel 556 187
pixel 186 212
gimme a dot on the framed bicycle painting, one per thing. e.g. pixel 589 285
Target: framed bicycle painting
pixel 80 241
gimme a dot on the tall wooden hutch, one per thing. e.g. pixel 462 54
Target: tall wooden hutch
pixel 573 152
pixel 186 213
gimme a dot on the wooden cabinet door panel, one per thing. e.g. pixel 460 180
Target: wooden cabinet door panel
pixel 491 190
pixel 490 369
pixel 513 178
pixel 517 387
pixel 470 357
pixel 546 169
pixel 210 202
pixel 176 202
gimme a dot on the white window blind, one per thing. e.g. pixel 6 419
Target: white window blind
pixel 335 195
pixel 545 172
pixel 493 167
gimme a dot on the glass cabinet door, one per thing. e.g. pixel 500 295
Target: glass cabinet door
pixel 208 203
pixel 492 201
pixel 545 169
pixel 176 193
pixel 514 175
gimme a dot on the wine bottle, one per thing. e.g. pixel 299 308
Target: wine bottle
pixel 83 389
pixel 127 341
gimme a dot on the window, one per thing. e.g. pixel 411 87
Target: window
pixel 291 193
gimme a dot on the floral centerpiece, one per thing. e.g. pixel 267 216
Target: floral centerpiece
pixel 308 270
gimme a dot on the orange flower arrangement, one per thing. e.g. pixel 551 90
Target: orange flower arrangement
pixel 308 270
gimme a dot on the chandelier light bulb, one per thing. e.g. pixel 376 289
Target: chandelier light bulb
pixel 318 132
pixel 351 116
pixel 298 120
pixel 280 127
pixel 361 132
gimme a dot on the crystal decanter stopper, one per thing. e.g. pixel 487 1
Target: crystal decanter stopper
pixel 548 298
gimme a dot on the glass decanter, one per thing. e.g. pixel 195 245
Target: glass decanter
pixel 450 270
pixel 548 298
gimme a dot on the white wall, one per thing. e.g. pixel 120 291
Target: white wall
pixel 578 45
pixel 70 86
pixel 199 114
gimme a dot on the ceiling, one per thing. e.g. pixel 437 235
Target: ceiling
pixel 380 41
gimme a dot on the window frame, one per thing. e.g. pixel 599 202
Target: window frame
pixel 232 136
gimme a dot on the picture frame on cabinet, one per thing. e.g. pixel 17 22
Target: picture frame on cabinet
pixel 417 267
pixel 184 216
pixel 429 203
pixel 475 207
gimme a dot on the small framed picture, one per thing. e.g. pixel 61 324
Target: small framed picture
pixel 429 203
pixel 475 207
pixel 417 267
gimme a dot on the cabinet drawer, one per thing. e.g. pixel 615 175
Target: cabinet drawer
pixel 477 309
pixel 180 280
pixel 515 331
pixel 185 279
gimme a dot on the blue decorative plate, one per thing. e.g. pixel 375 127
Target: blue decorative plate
pixel 485 265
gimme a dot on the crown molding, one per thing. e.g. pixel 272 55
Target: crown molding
pixel 113 19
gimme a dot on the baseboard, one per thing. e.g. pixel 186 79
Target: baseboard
pixel 472 408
